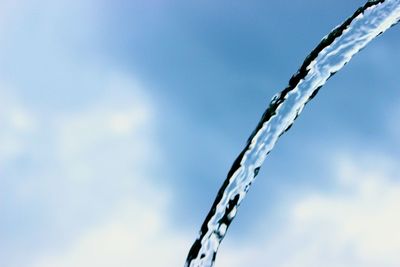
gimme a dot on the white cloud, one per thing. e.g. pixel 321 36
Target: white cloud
pixel 116 133
pixel 80 183
pixel 99 165
pixel 16 124
pixel 111 144
pixel 98 170
pixel 92 181
pixel 355 225
pixel 135 235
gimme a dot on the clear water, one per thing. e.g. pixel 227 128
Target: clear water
pixel 330 55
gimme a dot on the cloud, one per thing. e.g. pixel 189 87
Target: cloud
pixel 98 187
pixel 16 124
pixel 107 151
pixel 80 161
pixel 354 225
pixel 100 134
pixel 135 235
pixel 92 182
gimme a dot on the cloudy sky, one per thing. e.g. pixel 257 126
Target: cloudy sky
pixel 119 120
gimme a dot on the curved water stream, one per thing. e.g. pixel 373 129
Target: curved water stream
pixel 330 55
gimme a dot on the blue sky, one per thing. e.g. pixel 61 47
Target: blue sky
pixel 119 120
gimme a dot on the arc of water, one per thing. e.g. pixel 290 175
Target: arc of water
pixel 330 55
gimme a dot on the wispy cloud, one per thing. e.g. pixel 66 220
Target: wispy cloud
pixel 91 177
pixel 16 124
pixel 354 225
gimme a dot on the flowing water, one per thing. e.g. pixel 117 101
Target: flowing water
pixel 330 55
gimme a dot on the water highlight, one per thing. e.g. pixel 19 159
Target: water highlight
pixel 333 52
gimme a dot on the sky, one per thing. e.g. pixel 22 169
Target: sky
pixel 120 119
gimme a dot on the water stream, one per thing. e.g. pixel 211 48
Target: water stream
pixel 329 56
